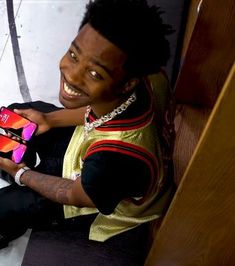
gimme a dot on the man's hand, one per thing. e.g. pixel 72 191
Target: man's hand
pixel 35 116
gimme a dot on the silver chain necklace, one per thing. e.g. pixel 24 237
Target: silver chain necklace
pixel 105 118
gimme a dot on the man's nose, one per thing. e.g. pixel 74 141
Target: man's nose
pixel 77 74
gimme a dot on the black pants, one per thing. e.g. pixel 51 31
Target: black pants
pixel 20 207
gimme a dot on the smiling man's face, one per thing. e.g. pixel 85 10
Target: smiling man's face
pixel 92 73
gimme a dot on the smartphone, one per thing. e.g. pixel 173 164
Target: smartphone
pixel 16 124
pixel 12 149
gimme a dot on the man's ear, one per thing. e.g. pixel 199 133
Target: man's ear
pixel 130 85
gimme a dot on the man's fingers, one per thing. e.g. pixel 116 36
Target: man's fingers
pixel 23 112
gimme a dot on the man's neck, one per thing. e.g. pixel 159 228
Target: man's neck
pixel 101 109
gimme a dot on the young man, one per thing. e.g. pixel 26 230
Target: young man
pixel 115 166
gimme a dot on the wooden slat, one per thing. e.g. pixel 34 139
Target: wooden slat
pixel 210 54
pixel 187 135
pixel 192 18
pixel 199 228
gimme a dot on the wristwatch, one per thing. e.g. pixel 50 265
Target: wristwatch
pixel 19 173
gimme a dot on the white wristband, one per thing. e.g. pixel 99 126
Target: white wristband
pixel 19 173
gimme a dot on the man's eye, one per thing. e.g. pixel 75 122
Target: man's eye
pixel 73 55
pixel 95 75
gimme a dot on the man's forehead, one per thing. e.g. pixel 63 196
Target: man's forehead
pixel 89 38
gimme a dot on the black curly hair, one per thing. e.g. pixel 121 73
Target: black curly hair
pixel 136 28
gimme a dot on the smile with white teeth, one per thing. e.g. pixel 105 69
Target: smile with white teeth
pixel 70 91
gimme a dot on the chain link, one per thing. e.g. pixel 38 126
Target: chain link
pixel 107 117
